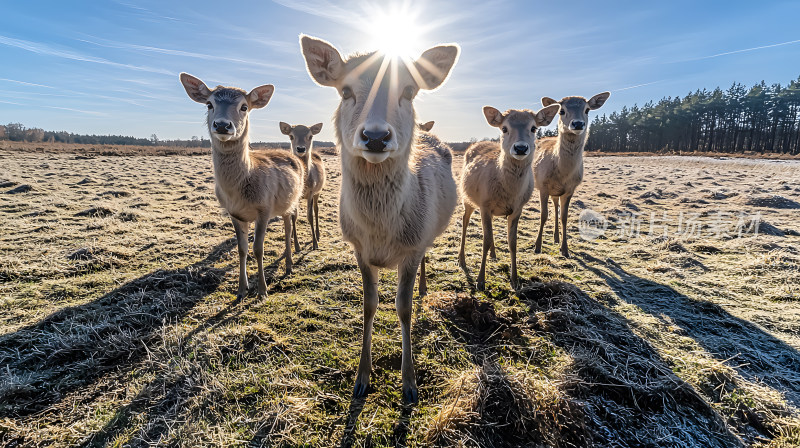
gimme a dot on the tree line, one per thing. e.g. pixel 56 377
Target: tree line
pixel 758 119
pixel 19 133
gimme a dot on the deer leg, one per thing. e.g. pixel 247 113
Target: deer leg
pixel 288 226
pixel 555 214
pixel 406 274
pixel 310 218
pixel 564 209
pixel 294 230
pixel 486 222
pixel 513 222
pixel 316 214
pixel 369 278
pixel 241 242
pixel 258 251
pixel 543 199
pixel 462 261
pixel 423 281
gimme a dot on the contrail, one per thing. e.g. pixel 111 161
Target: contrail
pixel 36 47
pixel 26 83
pixel 637 85
pixel 745 50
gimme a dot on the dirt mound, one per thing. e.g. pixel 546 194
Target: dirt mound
pixel 24 188
pixel 765 228
pixel 771 201
pixel 657 194
pixel 95 212
pixel 500 407
pixel 478 318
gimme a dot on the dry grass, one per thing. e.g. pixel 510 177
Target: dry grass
pixel 120 325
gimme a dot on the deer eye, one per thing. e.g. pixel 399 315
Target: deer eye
pixel 505 129
pixel 533 128
pixel 408 93
pixel 561 112
pixel 291 137
pixel 244 108
pixel 210 106
pixel 587 110
pixel 347 92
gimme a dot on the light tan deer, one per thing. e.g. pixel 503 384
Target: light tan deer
pixel 301 139
pixel 558 167
pixel 398 193
pixel 497 179
pixel 426 127
pixel 250 186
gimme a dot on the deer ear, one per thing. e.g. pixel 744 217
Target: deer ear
pixel 598 100
pixel 323 61
pixel 196 89
pixel 426 126
pixel 435 65
pixel 260 96
pixel 546 115
pixel 286 128
pixel 493 116
pixel 316 128
pixel 546 101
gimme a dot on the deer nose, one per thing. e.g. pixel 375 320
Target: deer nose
pixel 521 148
pixel 578 125
pixel 376 140
pixel 222 126
pixel 301 149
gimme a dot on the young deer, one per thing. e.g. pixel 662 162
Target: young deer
pixel 497 178
pixel 426 127
pixel 558 168
pixel 301 138
pixel 398 193
pixel 250 186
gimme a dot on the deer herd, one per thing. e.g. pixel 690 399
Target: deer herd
pixel 398 190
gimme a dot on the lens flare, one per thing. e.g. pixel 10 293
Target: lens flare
pixel 396 31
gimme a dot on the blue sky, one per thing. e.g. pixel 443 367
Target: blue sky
pixel 110 67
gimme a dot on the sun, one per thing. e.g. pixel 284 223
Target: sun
pixel 396 31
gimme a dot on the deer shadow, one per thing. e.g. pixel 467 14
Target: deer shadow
pixel 73 347
pixel 756 355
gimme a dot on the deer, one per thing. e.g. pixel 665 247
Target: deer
pixel 497 179
pixel 426 127
pixel 252 186
pixel 558 167
pixel 301 139
pixel 398 192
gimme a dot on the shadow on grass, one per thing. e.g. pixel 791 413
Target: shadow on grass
pixel 755 354
pixel 615 391
pixel 74 346
pixel 164 398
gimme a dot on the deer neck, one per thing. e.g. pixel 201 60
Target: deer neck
pixel 232 163
pixel 570 146
pixel 513 169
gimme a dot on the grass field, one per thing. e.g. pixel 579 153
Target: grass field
pixel 119 324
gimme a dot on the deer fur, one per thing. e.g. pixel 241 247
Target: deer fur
pixel 302 142
pixel 398 192
pixel 250 186
pixel 497 179
pixel 558 167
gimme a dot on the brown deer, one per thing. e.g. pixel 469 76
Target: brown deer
pixel 497 179
pixel 398 192
pixel 558 168
pixel 250 186
pixel 301 139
